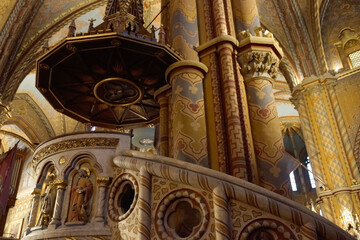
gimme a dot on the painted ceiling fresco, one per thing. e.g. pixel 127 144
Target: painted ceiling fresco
pixel 339 14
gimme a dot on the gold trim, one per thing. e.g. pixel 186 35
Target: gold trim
pixel 75 143
pixel 103 180
pixel 62 160
pixel 140 92
pixel 215 41
pixel 60 183
pixel 36 191
pixel 186 63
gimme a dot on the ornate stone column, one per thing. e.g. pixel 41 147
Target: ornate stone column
pixel 230 144
pixel 163 95
pixel 329 148
pixel 60 190
pixel 187 121
pixel 246 15
pixel 101 203
pixel 189 142
pixel 259 57
pixel 34 207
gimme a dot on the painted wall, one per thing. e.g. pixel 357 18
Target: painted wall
pixel 348 95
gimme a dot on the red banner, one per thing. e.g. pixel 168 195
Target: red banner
pixel 6 170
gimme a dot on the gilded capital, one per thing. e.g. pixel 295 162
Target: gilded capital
pixel 258 64
pixel 60 183
pixel 103 181
pixel 36 191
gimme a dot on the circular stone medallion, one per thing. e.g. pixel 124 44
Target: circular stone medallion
pixel 118 92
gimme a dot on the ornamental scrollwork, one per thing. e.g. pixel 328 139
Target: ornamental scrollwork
pixel 259 64
pixel 71 144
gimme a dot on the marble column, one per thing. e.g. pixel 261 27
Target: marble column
pixel 60 191
pixel 259 57
pixel 34 207
pixel 101 203
pixel 189 142
pixel 329 148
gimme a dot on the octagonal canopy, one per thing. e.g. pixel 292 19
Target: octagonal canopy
pixel 105 79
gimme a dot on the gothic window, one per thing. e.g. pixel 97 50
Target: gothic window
pixel 293 181
pixel 311 175
pixel 354 58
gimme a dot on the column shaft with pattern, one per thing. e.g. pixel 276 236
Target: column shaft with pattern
pixel 189 142
pixel 329 148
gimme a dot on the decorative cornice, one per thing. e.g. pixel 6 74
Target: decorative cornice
pixel 72 144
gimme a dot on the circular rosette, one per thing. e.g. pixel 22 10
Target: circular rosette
pixel 182 214
pixel 118 92
pixel 123 196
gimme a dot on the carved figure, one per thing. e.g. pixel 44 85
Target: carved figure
pixel 82 193
pixel 47 202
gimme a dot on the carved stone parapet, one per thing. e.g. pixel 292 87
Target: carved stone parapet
pixel 259 64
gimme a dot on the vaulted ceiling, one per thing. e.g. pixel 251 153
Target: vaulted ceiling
pixel 306 29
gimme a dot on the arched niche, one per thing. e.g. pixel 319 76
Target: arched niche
pixel 47 195
pixel 81 191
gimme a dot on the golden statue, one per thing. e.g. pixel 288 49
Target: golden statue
pixel 82 193
pixel 47 201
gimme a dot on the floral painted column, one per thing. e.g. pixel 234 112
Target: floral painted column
pixel 187 113
pixel 189 142
pixel 259 57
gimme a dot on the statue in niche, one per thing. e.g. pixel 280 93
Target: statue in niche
pixel 47 201
pixel 82 193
